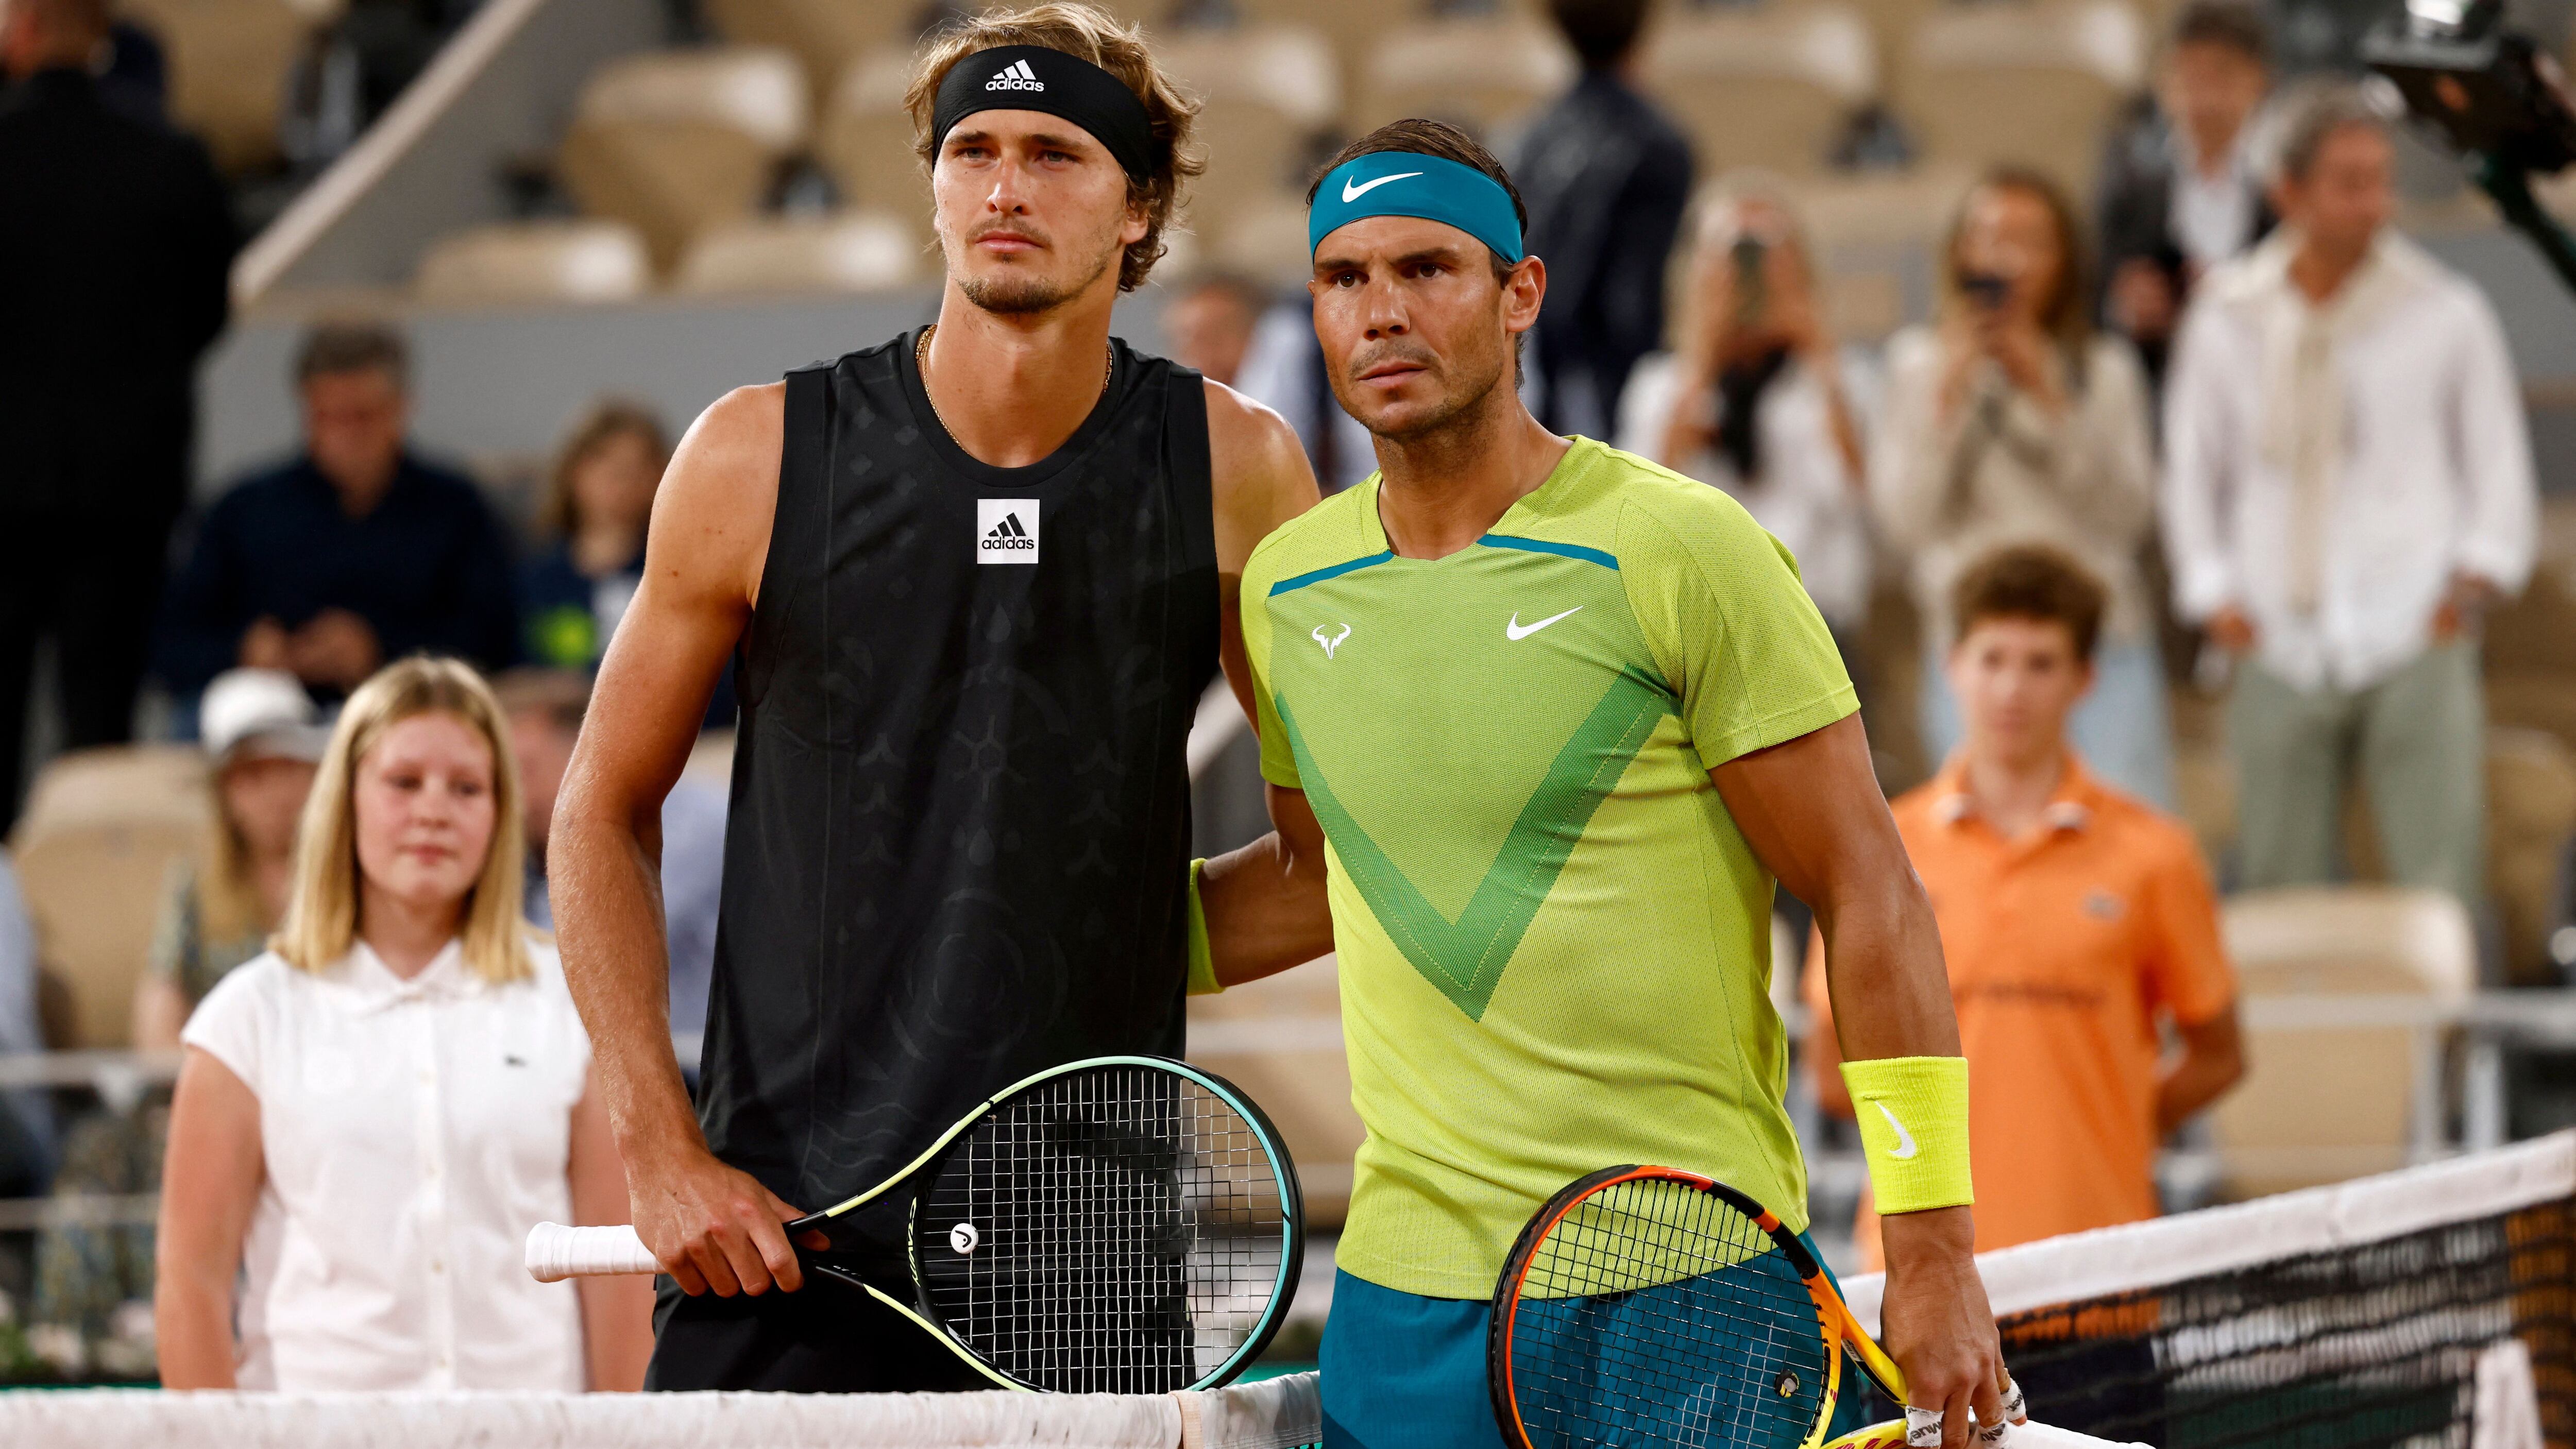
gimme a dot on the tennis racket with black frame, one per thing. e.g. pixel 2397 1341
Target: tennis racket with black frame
pixel 1654 1306
pixel 1123 1224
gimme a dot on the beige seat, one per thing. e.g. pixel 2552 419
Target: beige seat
pixel 823 35
pixel 2032 82
pixel 851 251
pixel 2325 1103
pixel 229 63
pixel 674 142
pixel 1483 74
pixel 1280 1040
pixel 1264 95
pixel 100 833
pixel 865 136
pixel 1265 240
pixel 1763 86
pixel 537 261
pixel 2531 817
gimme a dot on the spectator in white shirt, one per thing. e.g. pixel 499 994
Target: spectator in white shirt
pixel 2349 487
pixel 372 1116
pixel 2011 421
pixel 1755 400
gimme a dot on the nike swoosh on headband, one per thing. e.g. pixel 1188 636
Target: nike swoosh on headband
pixel 1354 193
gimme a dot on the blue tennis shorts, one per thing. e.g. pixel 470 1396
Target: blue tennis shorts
pixel 1401 1371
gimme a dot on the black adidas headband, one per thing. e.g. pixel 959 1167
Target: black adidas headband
pixel 1033 78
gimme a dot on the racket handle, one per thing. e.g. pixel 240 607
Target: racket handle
pixel 556 1252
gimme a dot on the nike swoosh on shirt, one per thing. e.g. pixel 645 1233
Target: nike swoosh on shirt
pixel 1904 1149
pixel 1518 630
pixel 1351 192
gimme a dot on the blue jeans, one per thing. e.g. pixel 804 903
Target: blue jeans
pixel 2123 729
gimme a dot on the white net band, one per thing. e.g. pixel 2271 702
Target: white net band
pixel 1279 1414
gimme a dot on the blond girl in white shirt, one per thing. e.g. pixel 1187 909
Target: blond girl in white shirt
pixel 372 1115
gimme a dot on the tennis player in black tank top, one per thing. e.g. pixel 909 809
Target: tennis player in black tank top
pixel 972 582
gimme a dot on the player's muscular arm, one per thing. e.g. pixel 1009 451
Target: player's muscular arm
pixel 1265 903
pixel 1812 811
pixel 1261 480
pixel 712 1226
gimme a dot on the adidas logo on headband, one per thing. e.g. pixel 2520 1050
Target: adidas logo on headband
pixel 1015 77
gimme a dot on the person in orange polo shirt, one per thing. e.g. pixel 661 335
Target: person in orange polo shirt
pixel 2078 924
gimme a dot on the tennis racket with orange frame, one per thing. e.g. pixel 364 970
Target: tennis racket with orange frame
pixel 1653 1306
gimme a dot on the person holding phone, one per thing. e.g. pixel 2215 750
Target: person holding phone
pixel 1757 399
pixel 2010 420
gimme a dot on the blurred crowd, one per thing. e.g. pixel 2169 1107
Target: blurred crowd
pixel 2224 395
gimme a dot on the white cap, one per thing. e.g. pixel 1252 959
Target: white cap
pixel 259 713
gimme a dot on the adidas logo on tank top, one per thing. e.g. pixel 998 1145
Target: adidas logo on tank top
pixel 1006 530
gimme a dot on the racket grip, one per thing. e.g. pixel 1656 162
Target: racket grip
pixel 556 1252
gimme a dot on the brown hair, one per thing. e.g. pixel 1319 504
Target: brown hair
pixel 2230 23
pixel 1086 34
pixel 2032 581
pixel 2064 313
pixel 353 345
pixel 607 420
pixel 322 915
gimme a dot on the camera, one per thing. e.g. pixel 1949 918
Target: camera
pixel 2497 99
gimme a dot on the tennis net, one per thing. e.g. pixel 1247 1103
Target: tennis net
pixel 1280 1413
pixel 2433 1308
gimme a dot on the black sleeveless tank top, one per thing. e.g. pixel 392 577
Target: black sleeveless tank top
pixel 958 843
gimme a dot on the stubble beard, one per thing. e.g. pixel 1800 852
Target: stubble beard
pixel 1011 295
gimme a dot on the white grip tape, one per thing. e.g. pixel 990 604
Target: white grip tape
pixel 556 1252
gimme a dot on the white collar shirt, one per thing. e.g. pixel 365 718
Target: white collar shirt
pixel 1807 497
pixel 411 1132
pixel 2212 216
pixel 2432 473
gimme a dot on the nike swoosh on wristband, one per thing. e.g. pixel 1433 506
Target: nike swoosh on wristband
pixel 1518 630
pixel 1904 1149
pixel 1352 192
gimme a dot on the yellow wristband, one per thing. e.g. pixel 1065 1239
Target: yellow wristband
pixel 1203 980
pixel 1913 1114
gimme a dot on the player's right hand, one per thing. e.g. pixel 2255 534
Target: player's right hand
pixel 715 1228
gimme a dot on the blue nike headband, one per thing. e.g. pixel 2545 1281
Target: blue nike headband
pixel 1407 183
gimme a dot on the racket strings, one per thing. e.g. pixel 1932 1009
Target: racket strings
pixel 1114 1230
pixel 1653 1313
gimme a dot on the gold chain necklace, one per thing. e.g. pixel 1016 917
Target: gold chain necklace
pixel 921 358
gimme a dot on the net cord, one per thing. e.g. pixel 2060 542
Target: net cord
pixel 2082 1266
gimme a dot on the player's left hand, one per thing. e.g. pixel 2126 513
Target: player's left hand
pixel 1935 1323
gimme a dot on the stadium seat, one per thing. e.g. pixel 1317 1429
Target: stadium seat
pixel 677 141
pixel 1265 241
pixel 1280 1040
pixel 2536 633
pixel 2322 1104
pixel 1763 86
pixel 1265 93
pixel 851 251
pixel 100 833
pixel 1485 74
pixel 865 139
pixel 2033 82
pixel 2531 818
pixel 823 35
pixel 229 63
pixel 536 261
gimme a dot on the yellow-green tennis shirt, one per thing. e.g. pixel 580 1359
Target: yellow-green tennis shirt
pixel 1554 943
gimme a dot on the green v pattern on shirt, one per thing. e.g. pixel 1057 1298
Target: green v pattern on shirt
pixel 1481 941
